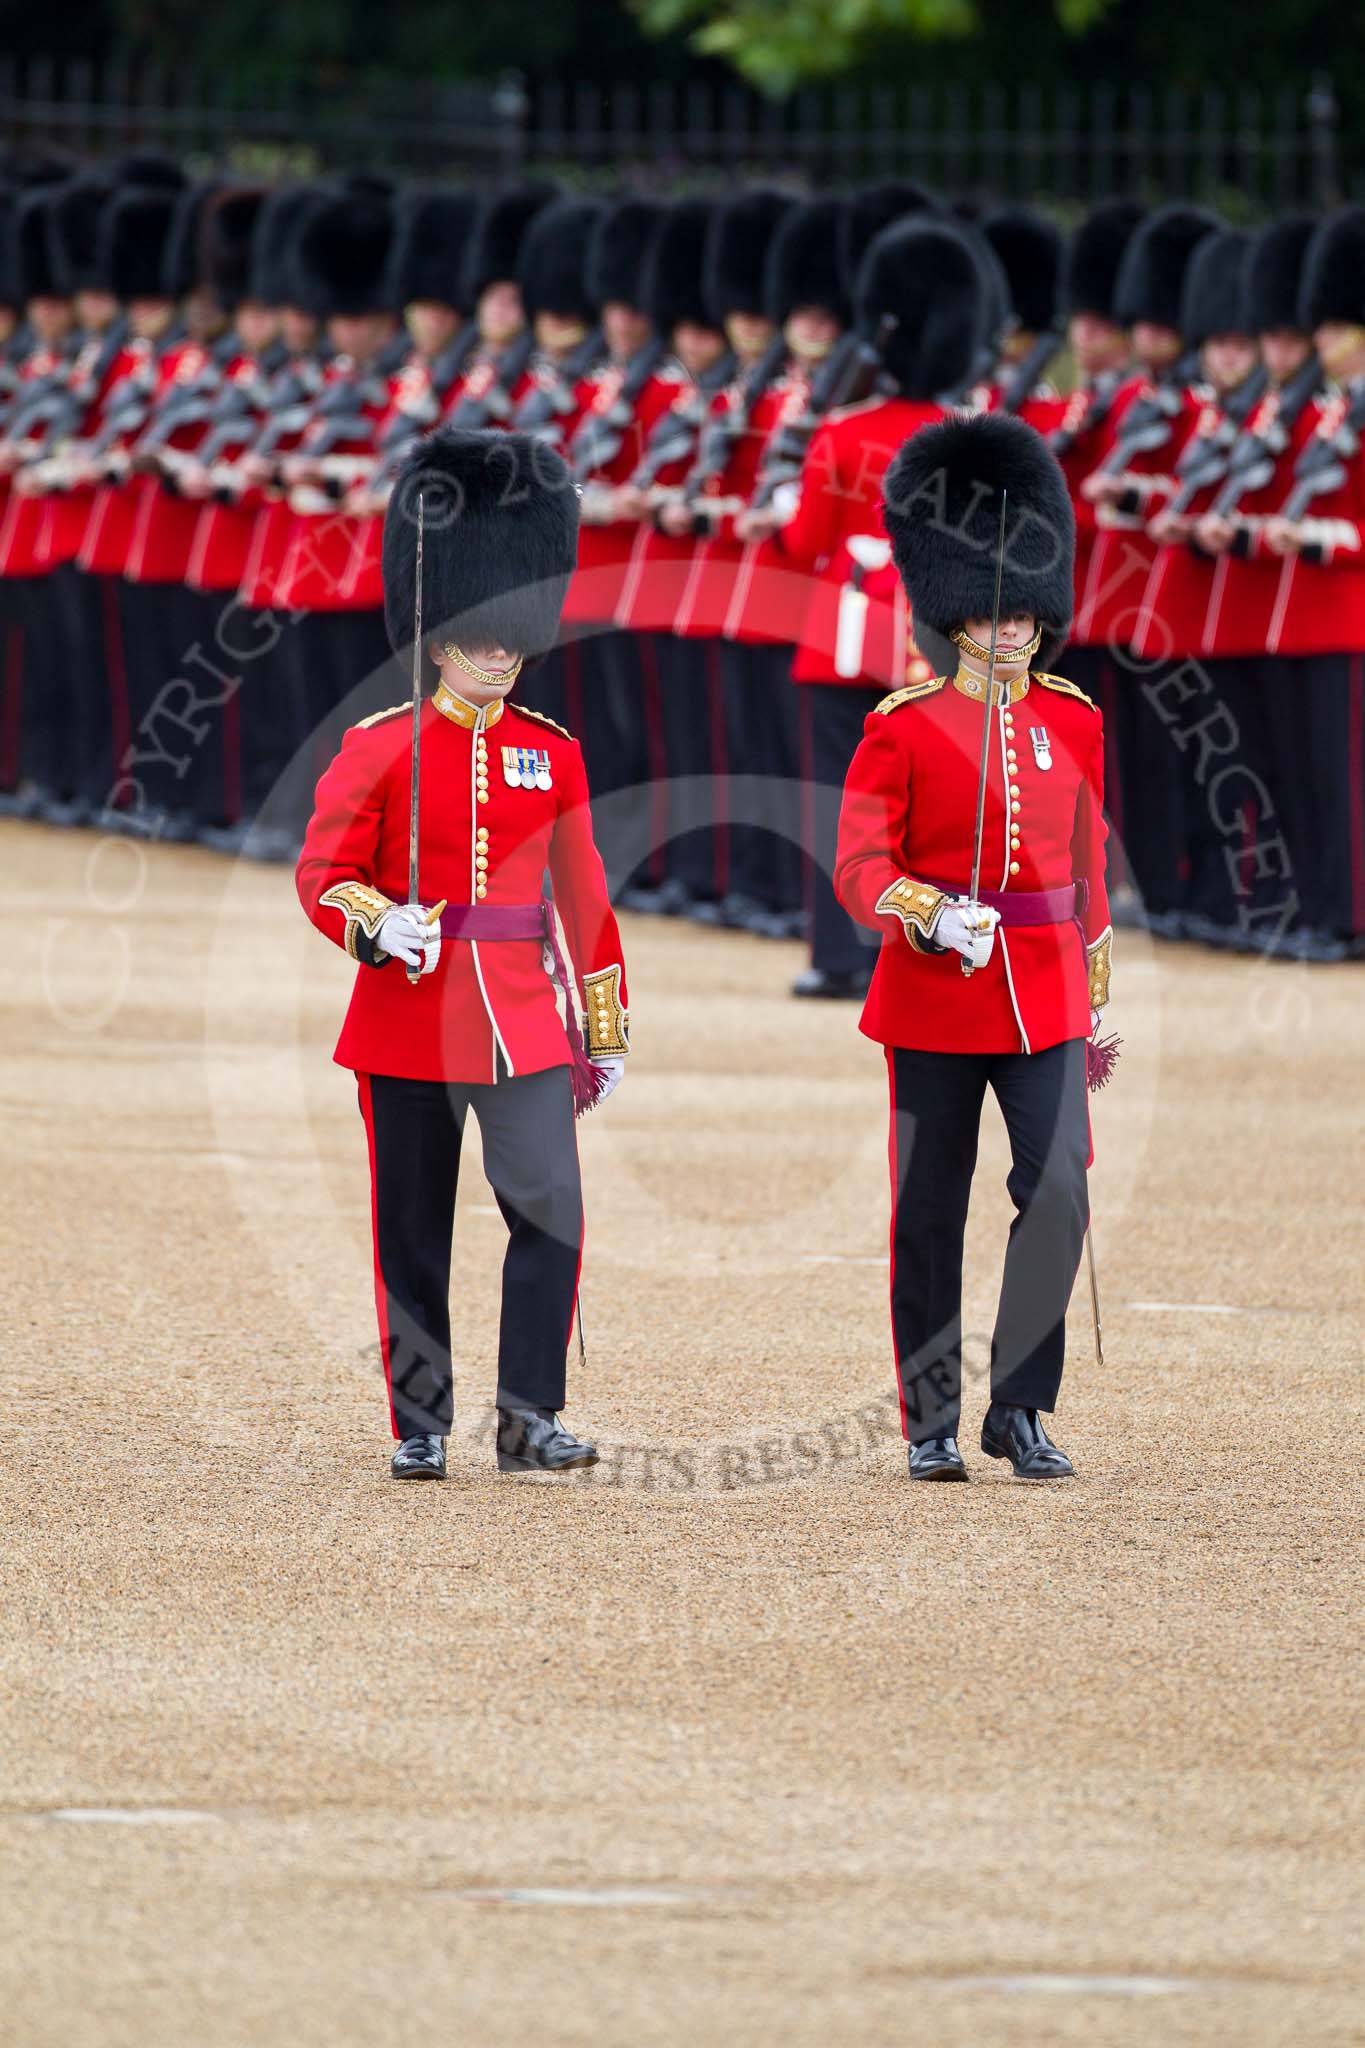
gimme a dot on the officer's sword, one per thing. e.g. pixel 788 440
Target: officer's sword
pixel 968 966
pixel 415 973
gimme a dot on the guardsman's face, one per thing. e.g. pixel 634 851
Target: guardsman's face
pixel 360 335
pixel 9 320
pixel 626 328
pixel 149 318
pixel 96 310
pixel 697 348
pixel 500 312
pixel 749 333
pixel 1226 359
pixel 811 332
pixel 1341 349
pixel 1155 346
pixel 557 333
pixel 1014 631
pixel 300 330
pixel 49 318
pixel 1284 351
pixel 432 326
pixel 1096 343
pixel 256 326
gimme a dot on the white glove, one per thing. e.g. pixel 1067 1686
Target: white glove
pixel 969 928
pixel 611 1070
pixel 406 934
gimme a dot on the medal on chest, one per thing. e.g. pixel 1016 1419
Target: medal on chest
pixel 526 768
pixel 1042 745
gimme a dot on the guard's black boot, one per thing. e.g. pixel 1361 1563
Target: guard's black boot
pixel 818 984
pixel 938 1457
pixel 537 1441
pixel 420 1457
pixel 1018 1434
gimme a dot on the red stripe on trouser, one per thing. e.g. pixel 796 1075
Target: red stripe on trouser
pixel 893 1159
pixel 381 1298
pixel 1356 726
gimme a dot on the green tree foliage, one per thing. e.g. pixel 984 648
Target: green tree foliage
pixel 780 44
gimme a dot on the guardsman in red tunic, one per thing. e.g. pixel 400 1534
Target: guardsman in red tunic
pixel 925 277
pixel 1035 936
pixel 455 997
pixel 1030 251
pixel 692 377
pixel 1318 536
pixel 496 376
pixel 1147 429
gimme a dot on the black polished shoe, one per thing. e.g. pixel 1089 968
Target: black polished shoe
pixel 938 1457
pixel 819 985
pixel 420 1457
pixel 1018 1434
pixel 539 1442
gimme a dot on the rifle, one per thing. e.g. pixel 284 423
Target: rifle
pixel 1101 395
pixel 723 429
pixel 1321 466
pixel 1149 420
pixel 598 439
pixel 1029 370
pixel 851 372
pixel 674 436
pixel 553 398
pixel 1252 463
pixel 495 402
pixel 1205 456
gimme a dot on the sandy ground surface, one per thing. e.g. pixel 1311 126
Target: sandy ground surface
pixel 740 1738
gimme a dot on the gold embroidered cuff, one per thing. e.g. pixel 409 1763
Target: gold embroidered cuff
pixel 916 905
pixel 606 1026
pixel 1097 961
pixel 364 909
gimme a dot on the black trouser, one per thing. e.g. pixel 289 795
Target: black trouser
pixel 622 751
pixel 1094 670
pixel 700 849
pixel 530 1155
pixel 326 655
pixel 1153 775
pixel 936 1103
pixel 761 722
pixel 1317 719
pixel 837 711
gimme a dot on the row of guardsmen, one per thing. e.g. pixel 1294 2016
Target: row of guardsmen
pixel 206 389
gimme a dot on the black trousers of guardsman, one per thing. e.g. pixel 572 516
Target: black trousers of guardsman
pixel 530 1155
pixel 936 1104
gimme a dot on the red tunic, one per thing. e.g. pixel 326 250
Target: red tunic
pixel 487 995
pixel 1320 593
pixel 604 551
pixel 909 808
pixel 1123 552
pixel 164 523
pixel 841 496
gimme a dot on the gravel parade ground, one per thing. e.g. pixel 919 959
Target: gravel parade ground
pixel 738 1738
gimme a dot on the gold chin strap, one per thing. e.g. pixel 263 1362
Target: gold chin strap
pixel 489 676
pixel 1005 657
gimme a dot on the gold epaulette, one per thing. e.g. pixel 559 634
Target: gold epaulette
pixel 1067 689
pixel 375 716
pixel 541 719
pixel 911 694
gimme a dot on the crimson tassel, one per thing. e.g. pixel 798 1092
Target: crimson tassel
pixel 1101 1058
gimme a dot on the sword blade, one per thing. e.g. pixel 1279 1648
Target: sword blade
pixel 984 763
pixel 414 973
pixel 1094 1294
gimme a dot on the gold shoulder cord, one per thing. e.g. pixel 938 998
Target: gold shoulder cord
pixel 911 693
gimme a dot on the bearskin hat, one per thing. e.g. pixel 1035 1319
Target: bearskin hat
pixel 1030 250
pixel 146 167
pixel 554 260
pixel 181 270
pixel 32 272
pixel 494 251
pixel 867 212
pixel 1152 274
pixel 671 284
pixel 803 262
pixel 1094 254
pixel 431 234
pixel 1273 273
pixel 1212 301
pixel 500 538
pixel 226 228
pixel 926 278
pixel 73 233
pixel 134 234
pixel 737 251
pixel 341 255
pixel 1333 285
pixel 941 509
pixel 617 251
pixel 274 280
